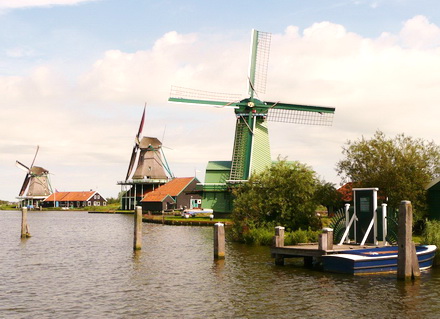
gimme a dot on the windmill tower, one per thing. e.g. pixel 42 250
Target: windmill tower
pixel 151 171
pixel 251 151
pixel 36 184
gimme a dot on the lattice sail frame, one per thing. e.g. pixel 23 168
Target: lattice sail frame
pixel 178 92
pixel 300 117
pixel 259 61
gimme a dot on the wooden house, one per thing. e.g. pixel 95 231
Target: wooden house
pixel 433 199
pixel 179 193
pixel 74 199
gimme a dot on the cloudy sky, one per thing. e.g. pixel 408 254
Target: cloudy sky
pixel 75 75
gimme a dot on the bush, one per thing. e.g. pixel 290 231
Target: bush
pixel 431 236
pixel 301 236
pixel 259 236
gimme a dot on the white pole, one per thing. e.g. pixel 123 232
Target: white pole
pixel 375 217
pixel 384 224
pixel 347 220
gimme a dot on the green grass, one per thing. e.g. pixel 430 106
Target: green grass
pixel 179 218
pixel 7 207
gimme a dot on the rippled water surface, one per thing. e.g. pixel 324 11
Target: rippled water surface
pixel 80 265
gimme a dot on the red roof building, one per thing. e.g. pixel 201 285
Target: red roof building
pixel 74 199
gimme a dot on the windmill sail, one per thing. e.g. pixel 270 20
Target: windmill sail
pixel 25 184
pixel 259 60
pixel 136 146
pixel 300 114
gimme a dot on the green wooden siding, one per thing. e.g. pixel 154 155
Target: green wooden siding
pixel 261 158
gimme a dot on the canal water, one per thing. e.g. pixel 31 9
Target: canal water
pixel 80 265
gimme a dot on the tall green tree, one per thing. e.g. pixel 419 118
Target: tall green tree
pixel 284 194
pixel 400 167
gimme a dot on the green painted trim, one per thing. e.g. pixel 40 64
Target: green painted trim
pixel 249 146
pixel 254 46
pixel 191 101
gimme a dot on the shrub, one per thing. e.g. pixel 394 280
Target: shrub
pixel 431 236
pixel 301 236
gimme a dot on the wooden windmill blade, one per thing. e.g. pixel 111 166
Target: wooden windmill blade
pixel 28 176
pixel 20 165
pixel 132 160
pixel 300 114
pixel 135 150
pixel 25 184
pixel 35 156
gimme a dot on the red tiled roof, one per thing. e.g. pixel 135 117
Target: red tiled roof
pixel 347 192
pixel 155 197
pixel 172 188
pixel 175 186
pixel 69 196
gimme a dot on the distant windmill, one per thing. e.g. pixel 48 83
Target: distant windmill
pixel 151 171
pixel 251 152
pixel 36 181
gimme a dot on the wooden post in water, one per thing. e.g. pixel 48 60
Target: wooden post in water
pixel 137 242
pixel 407 263
pixel 279 236
pixel 325 241
pixel 24 225
pixel 278 241
pixel 219 241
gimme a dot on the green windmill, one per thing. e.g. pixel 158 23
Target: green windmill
pixel 251 152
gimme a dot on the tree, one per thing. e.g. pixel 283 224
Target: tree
pixel 400 167
pixel 327 195
pixel 284 194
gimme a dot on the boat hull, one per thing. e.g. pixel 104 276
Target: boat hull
pixel 374 260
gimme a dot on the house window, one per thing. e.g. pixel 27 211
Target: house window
pixel 104 204
pixel 89 203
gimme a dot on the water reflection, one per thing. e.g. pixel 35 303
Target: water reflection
pixel 80 265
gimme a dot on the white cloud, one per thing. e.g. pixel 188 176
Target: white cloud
pixel 85 128
pixel 419 33
pixel 15 4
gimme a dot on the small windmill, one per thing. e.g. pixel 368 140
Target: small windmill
pixel 36 182
pixel 251 152
pixel 151 169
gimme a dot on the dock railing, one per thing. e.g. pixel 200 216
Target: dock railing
pixel 351 222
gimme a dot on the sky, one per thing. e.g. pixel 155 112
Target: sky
pixel 76 74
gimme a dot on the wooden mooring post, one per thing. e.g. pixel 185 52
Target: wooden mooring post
pixel 137 241
pixel 278 241
pixel 219 241
pixel 325 241
pixel 407 263
pixel 24 225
